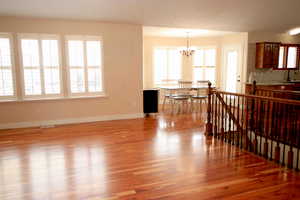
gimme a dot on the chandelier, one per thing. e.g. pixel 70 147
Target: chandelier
pixel 187 52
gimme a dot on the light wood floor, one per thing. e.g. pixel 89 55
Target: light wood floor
pixel 157 158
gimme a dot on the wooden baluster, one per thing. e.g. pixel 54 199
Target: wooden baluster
pixel 285 130
pixel 298 135
pixel 223 120
pixel 233 124
pixel 212 113
pixel 208 131
pixel 272 128
pixel 267 128
pixel 216 107
pixel 252 106
pixel 219 114
pixel 276 134
pixel 229 125
pixel 261 124
pixel 247 142
pixel 226 119
pixel 292 137
pixel 238 120
pixel 242 122
pixel 255 142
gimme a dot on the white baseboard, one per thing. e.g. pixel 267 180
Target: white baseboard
pixel 70 121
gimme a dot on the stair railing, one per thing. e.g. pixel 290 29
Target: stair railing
pixel 266 126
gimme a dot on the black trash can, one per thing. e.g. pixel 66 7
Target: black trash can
pixel 150 97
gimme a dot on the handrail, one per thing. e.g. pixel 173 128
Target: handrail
pixel 277 100
pixel 228 111
pixel 281 91
pixel 268 126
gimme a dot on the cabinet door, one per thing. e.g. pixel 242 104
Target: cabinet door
pixel 275 56
pixel 268 55
pixel 259 59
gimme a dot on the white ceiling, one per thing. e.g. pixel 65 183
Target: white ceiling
pixel 226 15
pixel 180 32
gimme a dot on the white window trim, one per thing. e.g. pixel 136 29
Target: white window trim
pixel 205 48
pixel 40 37
pixel 13 67
pixel 153 64
pixel 205 66
pixel 87 93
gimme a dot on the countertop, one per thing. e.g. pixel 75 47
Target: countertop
pixel 276 83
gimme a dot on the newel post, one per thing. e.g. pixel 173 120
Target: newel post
pixel 208 130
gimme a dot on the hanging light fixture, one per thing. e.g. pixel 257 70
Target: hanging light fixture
pixel 188 51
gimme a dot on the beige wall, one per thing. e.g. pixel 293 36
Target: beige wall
pixel 219 42
pixel 151 42
pixel 122 72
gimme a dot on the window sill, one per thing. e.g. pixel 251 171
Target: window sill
pixel 54 98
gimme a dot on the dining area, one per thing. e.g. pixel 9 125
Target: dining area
pixel 184 97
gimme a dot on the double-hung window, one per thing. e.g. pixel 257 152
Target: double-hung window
pixel 41 68
pixel 204 64
pixel 84 65
pixel 7 86
pixel 167 65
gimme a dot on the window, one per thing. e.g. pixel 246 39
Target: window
pixel 204 64
pixel 281 55
pixel 292 57
pixel 289 56
pixel 167 65
pixel 7 90
pixel 85 65
pixel 41 65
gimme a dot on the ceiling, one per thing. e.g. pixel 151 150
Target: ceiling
pixel 180 32
pixel 225 15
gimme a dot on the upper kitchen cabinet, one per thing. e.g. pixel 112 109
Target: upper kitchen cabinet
pixel 289 57
pixel 267 55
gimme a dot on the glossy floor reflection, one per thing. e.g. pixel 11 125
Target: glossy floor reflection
pixel 161 157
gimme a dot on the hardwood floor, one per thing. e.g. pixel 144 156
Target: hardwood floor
pixel 156 158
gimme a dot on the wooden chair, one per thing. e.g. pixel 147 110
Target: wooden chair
pixel 201 96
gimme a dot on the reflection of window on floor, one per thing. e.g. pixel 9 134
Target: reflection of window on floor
pixel 204 64
pixel 167 66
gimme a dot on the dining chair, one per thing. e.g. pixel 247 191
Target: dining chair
pixel 185 84
pixel 201 96
pixel 166 94
pixel 182 96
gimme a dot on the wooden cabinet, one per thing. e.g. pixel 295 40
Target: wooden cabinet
pixel 267 54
